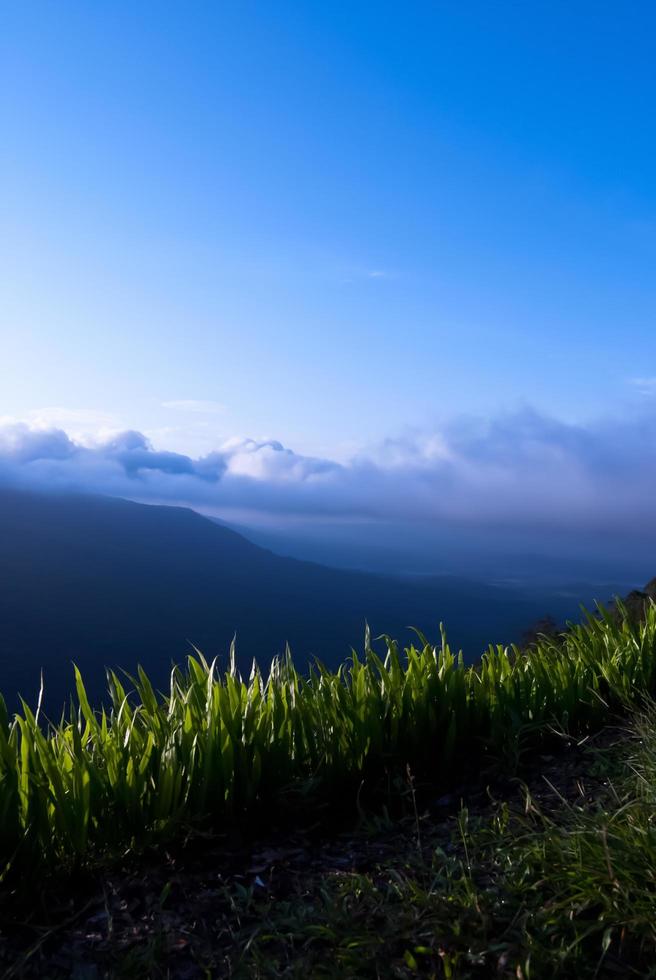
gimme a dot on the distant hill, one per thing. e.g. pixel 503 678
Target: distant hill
pixel 104 581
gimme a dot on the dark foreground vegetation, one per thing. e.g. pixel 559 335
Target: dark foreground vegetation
pixel 543 878
pixel 211 832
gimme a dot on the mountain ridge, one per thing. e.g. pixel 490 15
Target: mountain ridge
pixel 105 581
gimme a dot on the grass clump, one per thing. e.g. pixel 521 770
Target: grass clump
pixel 218 749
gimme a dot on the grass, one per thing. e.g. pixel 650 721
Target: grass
pixel 555 878
pixel 219 750
pixel 521 890
pixel 532 886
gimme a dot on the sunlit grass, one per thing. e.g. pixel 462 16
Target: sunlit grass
pixel 218 747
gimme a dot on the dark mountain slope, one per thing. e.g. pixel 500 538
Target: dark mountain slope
pixel 104 581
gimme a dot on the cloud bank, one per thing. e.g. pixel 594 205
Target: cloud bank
pixel 519 469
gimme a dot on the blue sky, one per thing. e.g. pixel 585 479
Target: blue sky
pixel 332 225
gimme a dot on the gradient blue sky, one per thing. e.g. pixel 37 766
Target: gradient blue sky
pixel 327 224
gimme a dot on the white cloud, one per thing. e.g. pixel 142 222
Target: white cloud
pixel 523 468
pixel 359 273
pixel 646 386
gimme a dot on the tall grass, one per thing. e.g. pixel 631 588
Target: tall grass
pixel 216 748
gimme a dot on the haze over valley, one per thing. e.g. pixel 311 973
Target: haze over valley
pixel 106 582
